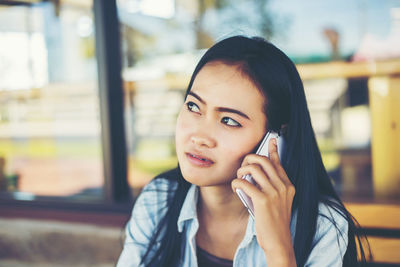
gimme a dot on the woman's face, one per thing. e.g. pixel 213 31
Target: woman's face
pixel 221 122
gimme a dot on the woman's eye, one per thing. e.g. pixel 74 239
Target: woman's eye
pixel 192 107
pixel 230 122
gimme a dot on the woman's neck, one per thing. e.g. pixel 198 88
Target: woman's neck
pixel 221 214
pixel 220 202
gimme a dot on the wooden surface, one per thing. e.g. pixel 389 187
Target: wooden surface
pixel 385 249
pixel 379 216
pixel 349 70
pixel 376 215
pixel 338 69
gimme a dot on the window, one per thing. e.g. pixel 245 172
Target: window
pixel 50 134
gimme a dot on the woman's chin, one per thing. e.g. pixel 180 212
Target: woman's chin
pixel 205 180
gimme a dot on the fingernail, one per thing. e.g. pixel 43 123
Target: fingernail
pixel 274 141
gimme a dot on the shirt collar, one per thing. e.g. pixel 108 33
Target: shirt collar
pixel 189 212
pixel 189 207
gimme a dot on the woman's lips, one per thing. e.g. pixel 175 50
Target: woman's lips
pixel 199 160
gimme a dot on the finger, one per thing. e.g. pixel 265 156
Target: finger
pixel 248 188
pixel 249 159
pixel 274 157
pixel 282 174
pixel 291 191
pixel 268 168
pixel 273 151
pixel 258 176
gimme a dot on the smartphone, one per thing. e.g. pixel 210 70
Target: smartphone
pixel 263 151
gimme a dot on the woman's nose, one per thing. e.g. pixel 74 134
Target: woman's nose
pixel 201 140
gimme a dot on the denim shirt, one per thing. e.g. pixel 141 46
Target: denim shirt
pixel 328 247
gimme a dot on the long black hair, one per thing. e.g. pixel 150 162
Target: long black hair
pixel 285 107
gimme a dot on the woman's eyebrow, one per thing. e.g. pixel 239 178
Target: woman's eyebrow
pixel 230 110
pixel 220 109
pixel 197 96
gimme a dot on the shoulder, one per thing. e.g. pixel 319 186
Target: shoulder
pixel 154 197
pixel 331 229
pixel 330 218
pixel 331 236
pixel 161 185
pixel 331 214
pixel 149 209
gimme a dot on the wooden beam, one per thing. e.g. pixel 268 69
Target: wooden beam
pixel 349 69
pixel 376 215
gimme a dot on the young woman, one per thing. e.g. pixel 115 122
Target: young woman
pixel 191 216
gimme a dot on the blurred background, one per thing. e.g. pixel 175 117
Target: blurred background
pixel 90 91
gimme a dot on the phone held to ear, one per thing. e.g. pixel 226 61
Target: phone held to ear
pixel 263 151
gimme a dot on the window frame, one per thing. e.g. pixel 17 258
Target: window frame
pixel 117 195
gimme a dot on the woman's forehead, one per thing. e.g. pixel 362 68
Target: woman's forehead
pixel 219 84
pixel 217 78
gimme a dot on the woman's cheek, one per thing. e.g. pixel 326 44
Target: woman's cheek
pixel 183 128
pixel 236 149
pixel 233 151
